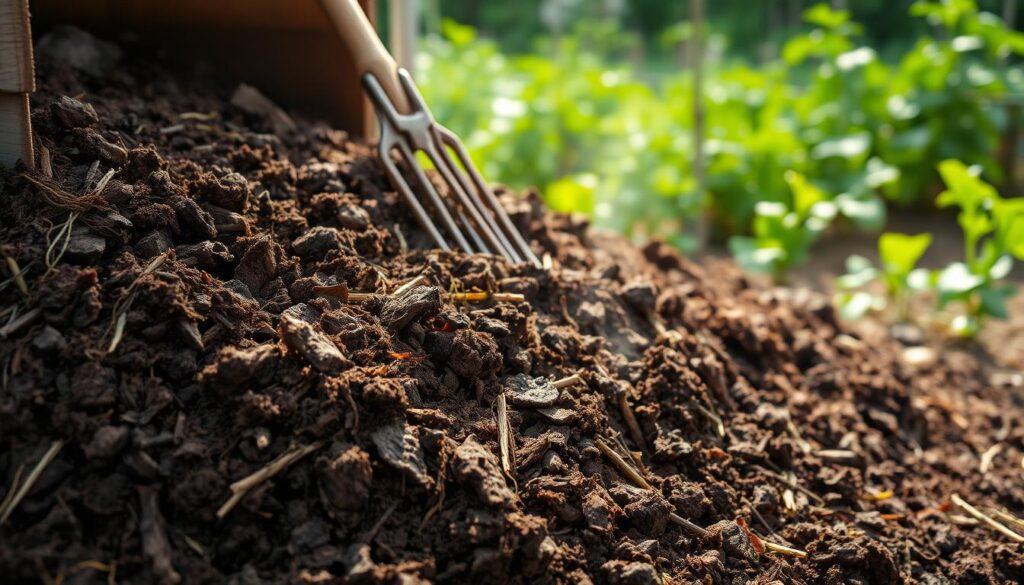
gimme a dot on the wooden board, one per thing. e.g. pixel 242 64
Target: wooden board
pixel 285 48
pixel 15 130
pixel 16 71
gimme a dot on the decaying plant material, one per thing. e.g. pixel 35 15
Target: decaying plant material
pixel 254 379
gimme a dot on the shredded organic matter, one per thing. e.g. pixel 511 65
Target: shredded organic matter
pixel 256 380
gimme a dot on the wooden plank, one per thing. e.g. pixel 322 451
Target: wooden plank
pixel 15 130
pixel 16 70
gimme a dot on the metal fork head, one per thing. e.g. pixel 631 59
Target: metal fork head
pixel 469 206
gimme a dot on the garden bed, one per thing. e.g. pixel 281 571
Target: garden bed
pixel 192 393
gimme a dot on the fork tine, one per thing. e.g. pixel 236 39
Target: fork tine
pixel 436 150
pixel 472 232
pixel 480 217
pixel 387 142
pixel 479 212
pixel 390 139
pixel 450 139
pixel 435 198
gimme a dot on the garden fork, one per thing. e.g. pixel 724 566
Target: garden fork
pixel 406 127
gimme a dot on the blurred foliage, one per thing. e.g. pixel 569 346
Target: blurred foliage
pixel 754 28
pixel 599 136
pixel 993 235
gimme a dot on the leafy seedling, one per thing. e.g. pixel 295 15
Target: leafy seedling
pixel 899 255
pixel 993 230
pixel 784 233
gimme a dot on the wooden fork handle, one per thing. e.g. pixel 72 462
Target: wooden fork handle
pixel 368 52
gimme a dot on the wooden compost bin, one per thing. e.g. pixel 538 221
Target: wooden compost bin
pixel 288 49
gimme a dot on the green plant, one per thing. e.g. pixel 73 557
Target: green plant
pixel 993 230
pixel 601 135
pixel 898 255
pixel 784 232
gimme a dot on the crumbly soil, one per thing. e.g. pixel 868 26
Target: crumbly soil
pixel 195 331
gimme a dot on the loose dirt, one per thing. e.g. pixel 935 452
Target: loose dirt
pixel 193 392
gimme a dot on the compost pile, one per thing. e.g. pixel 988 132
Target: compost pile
pixel 236 359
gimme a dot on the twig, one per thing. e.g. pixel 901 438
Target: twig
pixel 988 456
pixel 711 416
pixel 403 246
pixel 30 481
pixel 198 116
pixel 408 286
pixel 567 381
pixel 684 523
pixel 795 432
pixel 19 322
pixel 241 487
pixel 338 291
pixel 978 515
pixel 1007 517
pixel 51 258
pixel 121 307
pixel 13 489
pixel 122 320
pixel 631 424
pixel 639 481
pixel 623 467
pixel 17 274
pixel 784 550
pixel 761 519
pixel 485 296
pixel 793 484
pixel 380 523
pixel 506 447
pixel 347 393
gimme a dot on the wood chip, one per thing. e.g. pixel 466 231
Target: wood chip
pixel 506 446
pixel 312 344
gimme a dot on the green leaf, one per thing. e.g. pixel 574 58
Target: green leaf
pixel 865 209
pixel 956 280
pixel 965 326
pixel 859 273
pixel 901 252
pixel 993 301
pixel 878 173
pixel 1001 268
pixel 805 195
pixel 460 35
pixel 572 193
pixel 964 188
pixel 822 15
pixel 922 279
pixel 750 254
pixel 854 305
pixel 847 147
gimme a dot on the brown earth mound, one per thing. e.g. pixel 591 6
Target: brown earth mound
pixel 191 393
